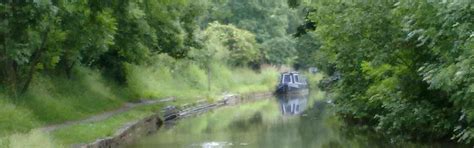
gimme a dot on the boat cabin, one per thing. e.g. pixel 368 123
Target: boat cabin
pixel 292 77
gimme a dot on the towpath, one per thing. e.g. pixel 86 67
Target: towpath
pixel 105 115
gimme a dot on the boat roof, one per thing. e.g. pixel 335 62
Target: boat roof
pixel 290 72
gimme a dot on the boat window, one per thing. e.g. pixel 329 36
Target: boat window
pixel 286 79
pixel 296 78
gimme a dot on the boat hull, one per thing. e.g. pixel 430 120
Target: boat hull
pixel 288 89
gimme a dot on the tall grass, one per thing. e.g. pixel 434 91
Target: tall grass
pixel 57 99
pixel 186 80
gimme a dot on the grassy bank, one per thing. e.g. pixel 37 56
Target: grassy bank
pixel 53 100
pixel 186 80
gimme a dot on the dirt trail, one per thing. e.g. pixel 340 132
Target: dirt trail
pixel 105 115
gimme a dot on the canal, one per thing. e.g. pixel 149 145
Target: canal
pixel 297 121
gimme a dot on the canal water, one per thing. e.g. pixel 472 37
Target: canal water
pixel 296 121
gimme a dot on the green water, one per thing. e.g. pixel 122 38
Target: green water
pixel 280 122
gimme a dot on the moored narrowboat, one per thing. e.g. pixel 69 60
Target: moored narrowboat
pixel 292 82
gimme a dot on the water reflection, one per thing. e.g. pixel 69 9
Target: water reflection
pixel 293 104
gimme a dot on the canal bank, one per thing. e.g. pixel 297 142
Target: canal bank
pixel 133 131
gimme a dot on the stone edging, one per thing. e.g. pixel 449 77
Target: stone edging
pixel 149 125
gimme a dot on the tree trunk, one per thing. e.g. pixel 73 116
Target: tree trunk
pixel 11 76
pixel 69 70
pixel 35 58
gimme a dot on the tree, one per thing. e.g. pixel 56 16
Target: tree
pixel 308 54
pixel 89 34
pixel 30 38
pixel 273 22
pixel 228 43
pixel 403 65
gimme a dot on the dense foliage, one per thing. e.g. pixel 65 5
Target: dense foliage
pixel 273 23
pixel 55 36
pixel 407 67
